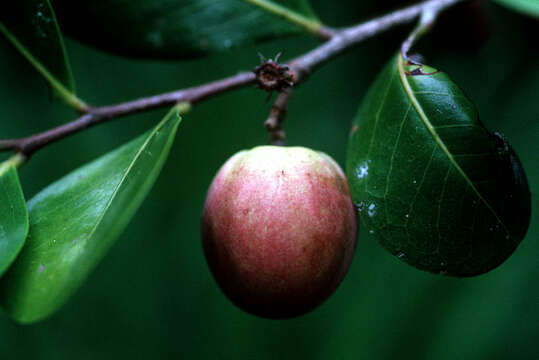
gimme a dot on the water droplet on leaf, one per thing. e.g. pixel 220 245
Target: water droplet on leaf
pixel 371 211
pixel 401 255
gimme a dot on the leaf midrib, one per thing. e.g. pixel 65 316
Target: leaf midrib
pixel 66 91
pixel 409 92
pixel 128 170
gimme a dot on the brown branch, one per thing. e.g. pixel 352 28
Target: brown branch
pixel 300 68
pixel 274 123
pixel 98 115
pixel 347 38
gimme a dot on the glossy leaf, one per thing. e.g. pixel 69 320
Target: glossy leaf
pixel 74 221
pixel 528 7
pixel 173 28
pixel 435 187
pixel 13 216
pixel 31 26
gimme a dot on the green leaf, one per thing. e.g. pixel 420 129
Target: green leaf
pixel 13 216
pixel 173 28
pixel 31 26
pixel 527 7
pixel 74 221
pixel 431 183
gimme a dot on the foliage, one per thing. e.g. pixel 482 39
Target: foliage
pixel 172 28
pixel 13 215
pixel 431 182
pixel 152 295
pixel 75 220
pixel 528 7
pixel 32 28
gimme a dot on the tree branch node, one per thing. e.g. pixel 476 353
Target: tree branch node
pixel 270 75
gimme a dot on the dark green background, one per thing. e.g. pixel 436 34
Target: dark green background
pixel 153 296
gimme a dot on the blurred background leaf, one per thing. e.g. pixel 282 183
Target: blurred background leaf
pixel 74 221
pixel 528 7
pixel 173 28
pixel 153 296
pixel 31 27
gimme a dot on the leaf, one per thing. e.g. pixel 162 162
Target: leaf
pixel 527 7
pixel 13 216
pixel 74 221
pixel 31 26
pixel 173 28
pixel 431 183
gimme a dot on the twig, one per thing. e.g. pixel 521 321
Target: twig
pixel 98 115
pixel 300 68
pixel 349 37
pixel 426 21
pixel 274 123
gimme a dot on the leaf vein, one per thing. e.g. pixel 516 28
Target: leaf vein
pixel 410 93
pixel 403 121
pixel 377 118
pixel 418 190
pixel 442 194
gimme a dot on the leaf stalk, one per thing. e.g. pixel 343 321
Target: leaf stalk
pixel 312 26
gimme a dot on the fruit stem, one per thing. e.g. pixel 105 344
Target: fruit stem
pixel 274 123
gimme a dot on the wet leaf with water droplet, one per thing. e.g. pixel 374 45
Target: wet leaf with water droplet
pixel 74 221
pixel 174 28
pixel 462 188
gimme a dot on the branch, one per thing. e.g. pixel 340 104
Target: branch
pixel 426 21
pixel 98 115
pixel 274 123
pixel 344 39
pixel 300 68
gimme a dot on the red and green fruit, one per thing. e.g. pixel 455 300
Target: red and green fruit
pixel 279 229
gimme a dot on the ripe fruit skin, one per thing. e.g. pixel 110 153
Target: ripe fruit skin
pixel 279 229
